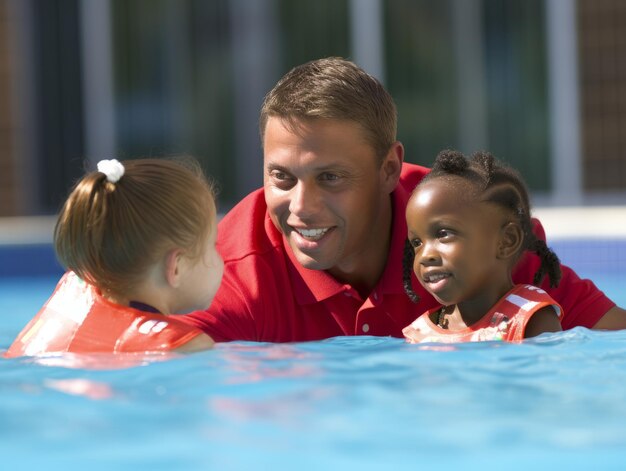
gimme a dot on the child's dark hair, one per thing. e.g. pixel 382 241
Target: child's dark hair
pixel 497 184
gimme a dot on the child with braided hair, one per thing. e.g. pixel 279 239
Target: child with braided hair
pixel 468 224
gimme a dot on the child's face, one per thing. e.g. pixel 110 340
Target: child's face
pixel 202 277
pixel 455 239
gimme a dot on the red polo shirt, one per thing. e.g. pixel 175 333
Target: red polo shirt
pixel 266 295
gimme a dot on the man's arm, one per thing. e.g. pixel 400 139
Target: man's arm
pixel 613 319
pixel 197 344
pixel 583 303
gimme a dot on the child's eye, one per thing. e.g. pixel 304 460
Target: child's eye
pixel 444 234
pixel 416 243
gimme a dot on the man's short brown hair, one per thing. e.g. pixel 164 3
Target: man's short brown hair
pixel 334 88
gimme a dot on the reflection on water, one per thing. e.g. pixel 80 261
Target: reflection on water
pixel 366 402
pixel 371 402
pixel 81 387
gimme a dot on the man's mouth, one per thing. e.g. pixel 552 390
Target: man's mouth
pixel 312 234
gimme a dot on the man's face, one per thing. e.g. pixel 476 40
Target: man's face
pixel 327 192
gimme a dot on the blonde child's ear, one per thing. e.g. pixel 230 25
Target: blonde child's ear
pixel 511 239
pixel 173 267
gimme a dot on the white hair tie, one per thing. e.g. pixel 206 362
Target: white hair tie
pixel 113 169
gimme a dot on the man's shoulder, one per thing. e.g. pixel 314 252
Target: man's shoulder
pixel 411 175
pixel 247 230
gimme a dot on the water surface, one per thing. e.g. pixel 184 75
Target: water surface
pixel 375 403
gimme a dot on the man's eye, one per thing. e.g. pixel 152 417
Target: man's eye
pixel 329 177
pixel 281 178
pixel 278 175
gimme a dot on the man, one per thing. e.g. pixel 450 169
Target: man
pixel 318 251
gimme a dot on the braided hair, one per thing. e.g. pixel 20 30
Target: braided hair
pixel 497 184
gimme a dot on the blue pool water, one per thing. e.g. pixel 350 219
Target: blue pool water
pixel 555 402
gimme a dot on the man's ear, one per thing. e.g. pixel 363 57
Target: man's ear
pixel 173 267
pixel 511 239
pixel 392 166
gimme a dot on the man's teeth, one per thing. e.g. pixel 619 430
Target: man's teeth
pixel 312 233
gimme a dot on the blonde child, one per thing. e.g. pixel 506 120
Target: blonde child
pixel 468 224
pixel 138 241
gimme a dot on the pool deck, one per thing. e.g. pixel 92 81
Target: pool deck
pixel 27 230
pixel 586 222
pixel 586 238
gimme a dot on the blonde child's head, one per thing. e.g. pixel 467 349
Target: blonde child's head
pixel 118 223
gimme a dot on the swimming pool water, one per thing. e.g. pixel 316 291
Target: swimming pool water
pixel 373 403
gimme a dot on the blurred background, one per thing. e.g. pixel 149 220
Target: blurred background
pixel 540 83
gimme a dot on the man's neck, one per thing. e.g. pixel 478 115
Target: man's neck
pixel 368 266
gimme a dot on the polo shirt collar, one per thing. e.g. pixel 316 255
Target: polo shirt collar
pixel 391 280
pixel 310 286
pixel 313 286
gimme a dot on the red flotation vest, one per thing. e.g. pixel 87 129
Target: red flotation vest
pixel 78 319
pixel 505 321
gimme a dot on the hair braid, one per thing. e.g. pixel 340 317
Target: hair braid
pixel 550 263
pixel 487 162
pixel 450 162
pixel 407 269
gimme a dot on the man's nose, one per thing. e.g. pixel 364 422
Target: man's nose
pixel 304 199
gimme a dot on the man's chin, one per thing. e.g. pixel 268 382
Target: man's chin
pixel 311 263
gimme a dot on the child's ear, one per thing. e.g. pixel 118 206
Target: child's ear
pixel 173 267
pixel 511 238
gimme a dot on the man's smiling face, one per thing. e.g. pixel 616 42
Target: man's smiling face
pixel 326 191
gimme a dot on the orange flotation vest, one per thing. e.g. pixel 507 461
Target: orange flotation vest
pixel 505 321
pixel 78 319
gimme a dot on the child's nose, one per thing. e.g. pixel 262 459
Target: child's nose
pixel 429 254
